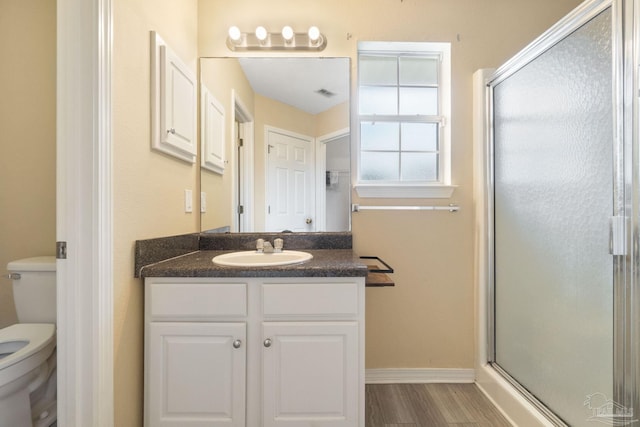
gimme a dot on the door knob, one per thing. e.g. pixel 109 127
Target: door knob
pixel 267 342
pixel 309 221
pixel 237 344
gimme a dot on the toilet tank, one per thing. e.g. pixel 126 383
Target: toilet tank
pixel 34 289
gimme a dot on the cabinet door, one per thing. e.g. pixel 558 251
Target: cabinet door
pixel 173 103
pixel 195 374
pixel 180 103
pixel 212 132
pixel 310 374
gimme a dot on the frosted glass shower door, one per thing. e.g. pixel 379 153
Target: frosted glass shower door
pixel 553 202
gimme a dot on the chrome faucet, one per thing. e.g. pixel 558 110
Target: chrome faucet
pixel 266 247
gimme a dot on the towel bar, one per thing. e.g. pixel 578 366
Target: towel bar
pixel 451 208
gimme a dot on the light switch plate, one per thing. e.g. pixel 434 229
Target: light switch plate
pixel 203 202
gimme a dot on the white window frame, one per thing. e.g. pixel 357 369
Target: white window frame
pixel 412 189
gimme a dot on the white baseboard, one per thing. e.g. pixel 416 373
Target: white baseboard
pixel 419 375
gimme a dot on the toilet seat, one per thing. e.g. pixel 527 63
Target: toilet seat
pixel 41 341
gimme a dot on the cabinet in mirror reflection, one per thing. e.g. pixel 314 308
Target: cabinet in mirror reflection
pixel 285 145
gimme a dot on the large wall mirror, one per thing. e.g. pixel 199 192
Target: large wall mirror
pixel 275 144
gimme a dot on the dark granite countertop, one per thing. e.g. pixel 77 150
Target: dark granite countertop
pixel 325 263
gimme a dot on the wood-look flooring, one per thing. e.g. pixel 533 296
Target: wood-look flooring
pixel 430 405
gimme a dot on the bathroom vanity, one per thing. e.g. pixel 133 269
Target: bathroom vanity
pixel 255 346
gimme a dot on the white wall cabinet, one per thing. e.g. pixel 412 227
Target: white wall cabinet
pixel 212 132
pixel 173 103
pixel 252 352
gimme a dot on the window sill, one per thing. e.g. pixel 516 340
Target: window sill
pixel 405 191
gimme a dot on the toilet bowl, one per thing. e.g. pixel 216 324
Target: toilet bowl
pixel 28 349
pixel 27 361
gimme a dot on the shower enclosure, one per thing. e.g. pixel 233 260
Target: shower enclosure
pixel 562 213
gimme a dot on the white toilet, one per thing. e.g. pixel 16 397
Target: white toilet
pixel 28 348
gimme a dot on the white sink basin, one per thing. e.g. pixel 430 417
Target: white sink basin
pixel 257 259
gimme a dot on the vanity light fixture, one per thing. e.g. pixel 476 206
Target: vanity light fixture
pixel 261 34
pixel 234 34
pixel 287 33
pixel 314 34
pixel 285 40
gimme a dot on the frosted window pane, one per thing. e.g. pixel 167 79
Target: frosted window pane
pixel 378 70
pixel 420 137
pixel 419 167
pixel 378 100
pixel 379 166
pixel 553 199
pixel 415 100
pixel 418 71
pixel 380 136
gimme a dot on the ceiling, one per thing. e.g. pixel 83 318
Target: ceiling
pixel 296 81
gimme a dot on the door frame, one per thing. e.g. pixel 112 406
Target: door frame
pixel 321 181
pixel 241 114
pixel 84 206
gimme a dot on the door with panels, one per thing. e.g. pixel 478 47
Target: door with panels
pixel 310 374
pixel 196 374
pixel 290 192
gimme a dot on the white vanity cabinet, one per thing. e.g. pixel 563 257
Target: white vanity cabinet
pixel 195 353
pixel 253 352
pixel 311 359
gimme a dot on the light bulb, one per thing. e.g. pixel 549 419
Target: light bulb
pixel 314 33
pixel 261 33
pixel 234 33
pixel 287 33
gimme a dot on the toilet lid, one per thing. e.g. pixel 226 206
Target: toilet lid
pixel 38 336
pixel 38 263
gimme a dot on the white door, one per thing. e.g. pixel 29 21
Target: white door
pixel 290 195
pixel 196 375
pixel 310 372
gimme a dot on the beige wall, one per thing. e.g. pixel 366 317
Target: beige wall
pixel 426 321
pixel 332 120
pixel 27 137
pixel 148 186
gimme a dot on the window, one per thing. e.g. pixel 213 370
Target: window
pixel 403 114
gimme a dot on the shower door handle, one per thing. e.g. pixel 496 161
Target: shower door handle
pixel 618 235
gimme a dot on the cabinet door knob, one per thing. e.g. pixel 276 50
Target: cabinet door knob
pixel 267 342
pixel 237 344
